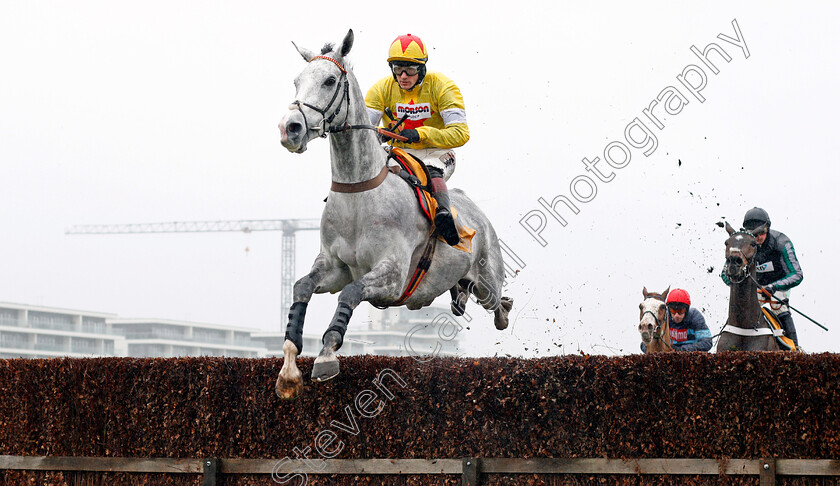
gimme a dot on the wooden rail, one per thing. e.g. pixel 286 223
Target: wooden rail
pixel 469 468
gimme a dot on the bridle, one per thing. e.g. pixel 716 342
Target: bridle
pixel 659 329
pixel 339 100
pixel 743 271
pixel 326 121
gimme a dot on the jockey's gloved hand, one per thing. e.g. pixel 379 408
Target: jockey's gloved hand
pixel 411 134
pixel 770 289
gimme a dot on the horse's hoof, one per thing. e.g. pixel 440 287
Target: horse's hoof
pixel 288 389
pixel 325 370
pixel 501 320
pixel 457 310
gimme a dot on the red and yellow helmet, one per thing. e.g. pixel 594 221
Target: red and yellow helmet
pixel 408 48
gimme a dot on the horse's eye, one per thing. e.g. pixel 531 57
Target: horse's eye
pixel 329 81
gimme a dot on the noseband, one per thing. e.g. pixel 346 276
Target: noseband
pixel 327 120
pixel 659 329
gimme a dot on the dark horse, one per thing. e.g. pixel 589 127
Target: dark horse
pixel 746 328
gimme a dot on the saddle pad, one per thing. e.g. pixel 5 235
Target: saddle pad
pixel 785 343
pixel 428 204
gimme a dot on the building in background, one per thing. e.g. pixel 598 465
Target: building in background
pixel 161 338
pixel 28 331
pixel 42 332
pixel 395 331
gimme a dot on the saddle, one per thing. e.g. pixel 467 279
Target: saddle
pixel 415 173
pixel 785 343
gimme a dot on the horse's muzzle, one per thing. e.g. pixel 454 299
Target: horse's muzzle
pixel 735 272
pixel 293 134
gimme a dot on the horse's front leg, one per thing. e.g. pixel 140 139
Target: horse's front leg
pixel 383 282
pixel 324 277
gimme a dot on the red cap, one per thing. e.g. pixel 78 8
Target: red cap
pixel 678 296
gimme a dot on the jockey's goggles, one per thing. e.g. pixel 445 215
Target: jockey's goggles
pixel 757 228
pixel 677 309
pixel 410 69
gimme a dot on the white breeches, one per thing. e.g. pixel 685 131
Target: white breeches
pixel 775 306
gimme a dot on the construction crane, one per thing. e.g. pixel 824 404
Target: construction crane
pixel 287 246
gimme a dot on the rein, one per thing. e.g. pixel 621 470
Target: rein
pixel 378 130
pixel 326 127
pixel 327 120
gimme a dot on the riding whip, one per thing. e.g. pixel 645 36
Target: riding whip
pixel 765 292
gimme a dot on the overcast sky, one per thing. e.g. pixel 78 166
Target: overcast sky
pixel 118 112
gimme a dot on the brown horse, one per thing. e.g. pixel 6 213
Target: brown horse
pixel 745 329
pixel 653 322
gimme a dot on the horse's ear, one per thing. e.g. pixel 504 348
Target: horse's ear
pixel 730 229
pixel 346 44
pixel 665 294
pixel 644 292
pixel 304 52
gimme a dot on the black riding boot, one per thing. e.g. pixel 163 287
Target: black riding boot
pixel 444 222
pixel 786 320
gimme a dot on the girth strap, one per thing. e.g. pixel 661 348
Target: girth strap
pixel 419 272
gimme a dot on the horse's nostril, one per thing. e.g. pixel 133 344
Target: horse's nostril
pixel 295 128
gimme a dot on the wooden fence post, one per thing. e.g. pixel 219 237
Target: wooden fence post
pixel 211 471
pixel 472 468
pixel 767 472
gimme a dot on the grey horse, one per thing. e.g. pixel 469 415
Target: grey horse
pixel 653 322
pixel 745 329
pixel 372 232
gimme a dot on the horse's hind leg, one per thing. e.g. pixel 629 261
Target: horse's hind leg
pixel 488 294
pixel 488 287
pixel 383 280
pixel 460 295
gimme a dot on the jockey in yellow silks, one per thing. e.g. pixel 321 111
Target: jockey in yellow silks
pixel 436 122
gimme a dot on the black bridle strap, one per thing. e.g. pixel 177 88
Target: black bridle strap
pixel 743 271
pixel 326 120
pixel 659 331
pixel 655 319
